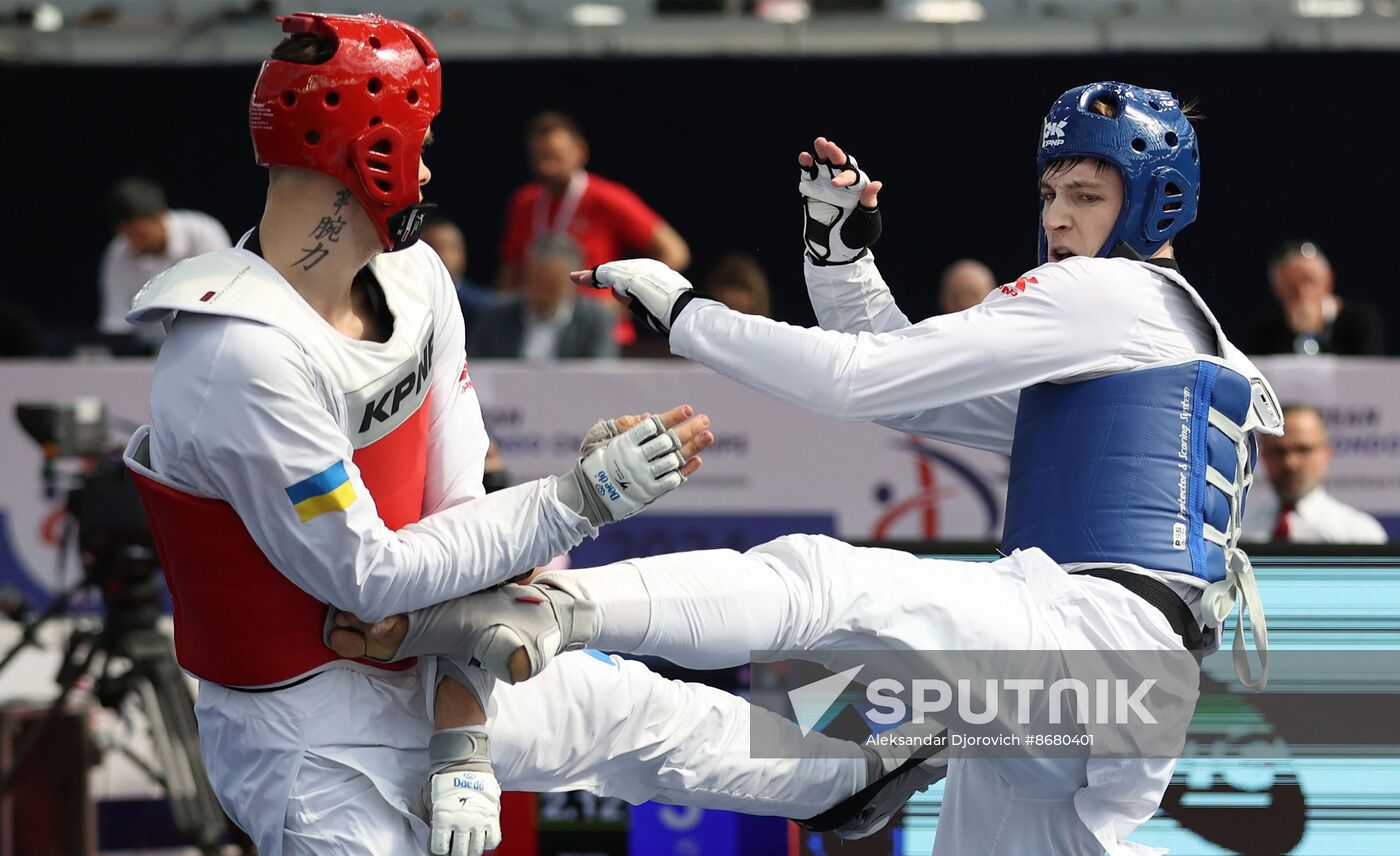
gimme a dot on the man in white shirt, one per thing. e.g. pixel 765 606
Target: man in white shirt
pixel 150 238
pixel 1304 512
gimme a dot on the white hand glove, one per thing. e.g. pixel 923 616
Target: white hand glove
pixel 658 293
pixel 462 795
pixel 466 813
pixel 836 227
pixel 623 475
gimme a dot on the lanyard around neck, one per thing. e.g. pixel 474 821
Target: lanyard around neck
pixel 568 207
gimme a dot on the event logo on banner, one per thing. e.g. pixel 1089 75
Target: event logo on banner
pixel 941 475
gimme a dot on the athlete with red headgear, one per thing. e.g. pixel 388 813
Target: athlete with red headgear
pixel 315 439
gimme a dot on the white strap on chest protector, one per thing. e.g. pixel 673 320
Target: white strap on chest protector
pixel 1219 598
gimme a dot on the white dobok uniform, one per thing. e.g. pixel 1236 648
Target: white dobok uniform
pixel 288 467
pixel 955 378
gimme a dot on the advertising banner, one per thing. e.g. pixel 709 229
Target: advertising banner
pixel 774 468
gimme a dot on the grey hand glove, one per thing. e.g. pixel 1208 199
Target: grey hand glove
pixel 620 475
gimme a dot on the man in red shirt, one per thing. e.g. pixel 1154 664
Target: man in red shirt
pixel 607 220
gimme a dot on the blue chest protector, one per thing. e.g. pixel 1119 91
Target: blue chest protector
pixel 1148 468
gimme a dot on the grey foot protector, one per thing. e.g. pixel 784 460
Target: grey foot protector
pixel 489 626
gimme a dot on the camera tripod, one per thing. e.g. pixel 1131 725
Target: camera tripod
pixel 120 563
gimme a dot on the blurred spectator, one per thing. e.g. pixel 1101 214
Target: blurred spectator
pixel 738 282
pixel 447 241
pixel 1304 512
pixel 607 220
pixel 963 285
pixel 545 320
pixel 1313 320
pixel 20 334
pixel 150 238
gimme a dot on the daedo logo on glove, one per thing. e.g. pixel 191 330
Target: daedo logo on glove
pixel 621 477
pixel 605 487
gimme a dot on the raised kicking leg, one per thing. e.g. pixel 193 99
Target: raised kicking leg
pixel 714 608
pixel 709 609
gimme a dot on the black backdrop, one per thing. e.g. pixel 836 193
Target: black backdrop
pixel 1293 145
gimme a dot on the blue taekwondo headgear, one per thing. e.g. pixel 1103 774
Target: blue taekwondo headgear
pixel 1152 144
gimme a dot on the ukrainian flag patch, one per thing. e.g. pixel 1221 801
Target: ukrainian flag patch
pixel 328 490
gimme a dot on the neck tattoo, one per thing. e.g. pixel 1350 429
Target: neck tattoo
pixel 327 229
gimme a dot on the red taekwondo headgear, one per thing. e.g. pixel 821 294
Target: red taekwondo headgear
pixel 360 116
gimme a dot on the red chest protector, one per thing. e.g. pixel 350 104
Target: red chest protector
pixel 238 620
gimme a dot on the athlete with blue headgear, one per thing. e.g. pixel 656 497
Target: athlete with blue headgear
pixel 1129 418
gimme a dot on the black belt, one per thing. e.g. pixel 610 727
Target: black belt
pixel 1160 595
pixel 272 689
